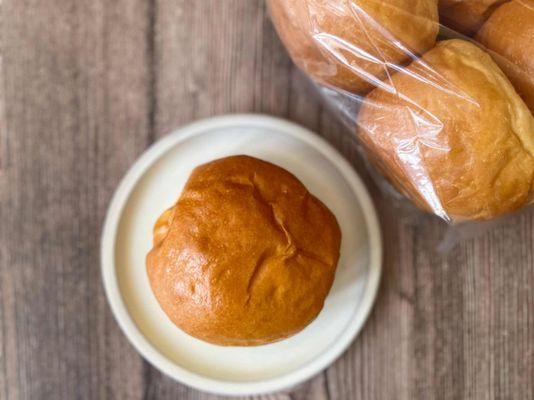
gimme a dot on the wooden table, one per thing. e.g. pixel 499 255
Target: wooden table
pixel 86 86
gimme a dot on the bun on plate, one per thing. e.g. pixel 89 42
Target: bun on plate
pixel 453 135
pixel 246 256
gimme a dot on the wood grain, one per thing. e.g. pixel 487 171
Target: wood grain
pixel 85 87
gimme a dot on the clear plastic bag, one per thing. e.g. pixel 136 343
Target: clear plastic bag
pixel 442 116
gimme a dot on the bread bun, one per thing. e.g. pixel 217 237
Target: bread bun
pixel 509 35
pixel 349 44
pixel 247 255
pixel 466 16
pixel 453 135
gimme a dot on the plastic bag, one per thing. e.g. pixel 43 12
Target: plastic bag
pixel 434 111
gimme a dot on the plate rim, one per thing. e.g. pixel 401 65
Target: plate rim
pixel 118 306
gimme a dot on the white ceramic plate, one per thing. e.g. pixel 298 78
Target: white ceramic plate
pixel 154 183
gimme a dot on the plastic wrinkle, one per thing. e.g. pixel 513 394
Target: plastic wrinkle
pixel 323 39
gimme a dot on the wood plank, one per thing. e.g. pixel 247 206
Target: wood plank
pixel 77 101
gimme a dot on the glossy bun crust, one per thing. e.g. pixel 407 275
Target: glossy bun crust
pixel 453 134
pixel 247 255
pixel 466 16
pixel 509 35
pixel 347 43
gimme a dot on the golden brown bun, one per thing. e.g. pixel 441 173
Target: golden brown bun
pixel 246 256
pixel 466 16
pixel 313 32
pixel 509 35
pixel 455 136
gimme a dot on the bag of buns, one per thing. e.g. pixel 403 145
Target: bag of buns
pixel 443 117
